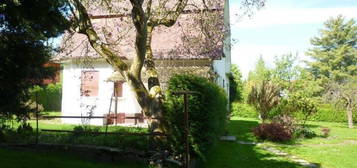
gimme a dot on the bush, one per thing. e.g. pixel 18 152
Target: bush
pixel 243 110
pixel 207 113
pixel 304 133
pixel 49 96
pixel 272 131
pixel 325 131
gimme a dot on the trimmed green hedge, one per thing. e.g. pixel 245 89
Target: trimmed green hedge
pixel 329 113
pixel 325 112
pixel 50 96
pixel 208 113
pixel 243 110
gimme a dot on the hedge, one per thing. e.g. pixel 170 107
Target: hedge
pixel 49 96
pixel 325 112
pixel 329 113
pixel 208 113
pixel 243 110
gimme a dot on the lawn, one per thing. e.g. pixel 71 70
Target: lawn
pixel 234 155
pixel 30 159
pixel 337 151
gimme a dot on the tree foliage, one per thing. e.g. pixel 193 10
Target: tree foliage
pixel 335 62
pixel 260 73
pixel 285 71
pixel 335 51
pixel 25 28
pixel 235 84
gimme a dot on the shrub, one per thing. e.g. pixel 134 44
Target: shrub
pixel 272 131
pixel 24 128
pixel 304 133
pixel 325 131
pixel 207 113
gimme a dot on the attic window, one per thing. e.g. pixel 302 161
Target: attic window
pixel 89 83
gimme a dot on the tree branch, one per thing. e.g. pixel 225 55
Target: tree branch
pixel 171 17
pixel 86 28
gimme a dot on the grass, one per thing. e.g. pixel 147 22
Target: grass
pixel 336 151
pixel 29 159
pixel 138 142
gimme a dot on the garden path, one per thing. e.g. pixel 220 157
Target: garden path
pixel 275 151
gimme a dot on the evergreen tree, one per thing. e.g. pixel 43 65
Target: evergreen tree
pixel 25 28
pixel 335 51
pixel 261 71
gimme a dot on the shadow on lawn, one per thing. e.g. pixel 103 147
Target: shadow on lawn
pixel 234 155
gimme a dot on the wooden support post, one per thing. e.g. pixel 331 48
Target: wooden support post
pixel 116 105
pixel 186 125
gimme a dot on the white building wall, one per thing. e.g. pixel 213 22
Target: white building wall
pixel 75 105
pixel 223 66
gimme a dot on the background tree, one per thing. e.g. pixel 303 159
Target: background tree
pixel 285 70
pixel 344 94
pixel 335 52
pixel 334 62
pixel 235 84
pixel 25 28
pixel 261 71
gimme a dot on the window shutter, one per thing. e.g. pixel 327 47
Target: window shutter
pixel 89 83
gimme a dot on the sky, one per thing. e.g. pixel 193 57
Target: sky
pixel 281 27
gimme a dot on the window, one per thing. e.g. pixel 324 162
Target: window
pixel 89 83
pixel 118 89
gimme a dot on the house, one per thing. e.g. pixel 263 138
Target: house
pixel 92 87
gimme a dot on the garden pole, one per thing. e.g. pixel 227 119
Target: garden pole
pixel 116 106
pixel 36 117
pixel 186 131
pixel 186 125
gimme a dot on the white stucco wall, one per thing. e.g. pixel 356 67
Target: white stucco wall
pixel 75 105
pixel 223 66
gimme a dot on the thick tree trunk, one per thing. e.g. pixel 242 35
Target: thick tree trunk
pixel 149 99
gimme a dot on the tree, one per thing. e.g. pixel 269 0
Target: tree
pixel 335 61
pixel 261 71
pixel 344 94
pixel 285 70
pixel 25 28
pixel 145 16
pixel 335 51
pixel 264 97
pixel 235 84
